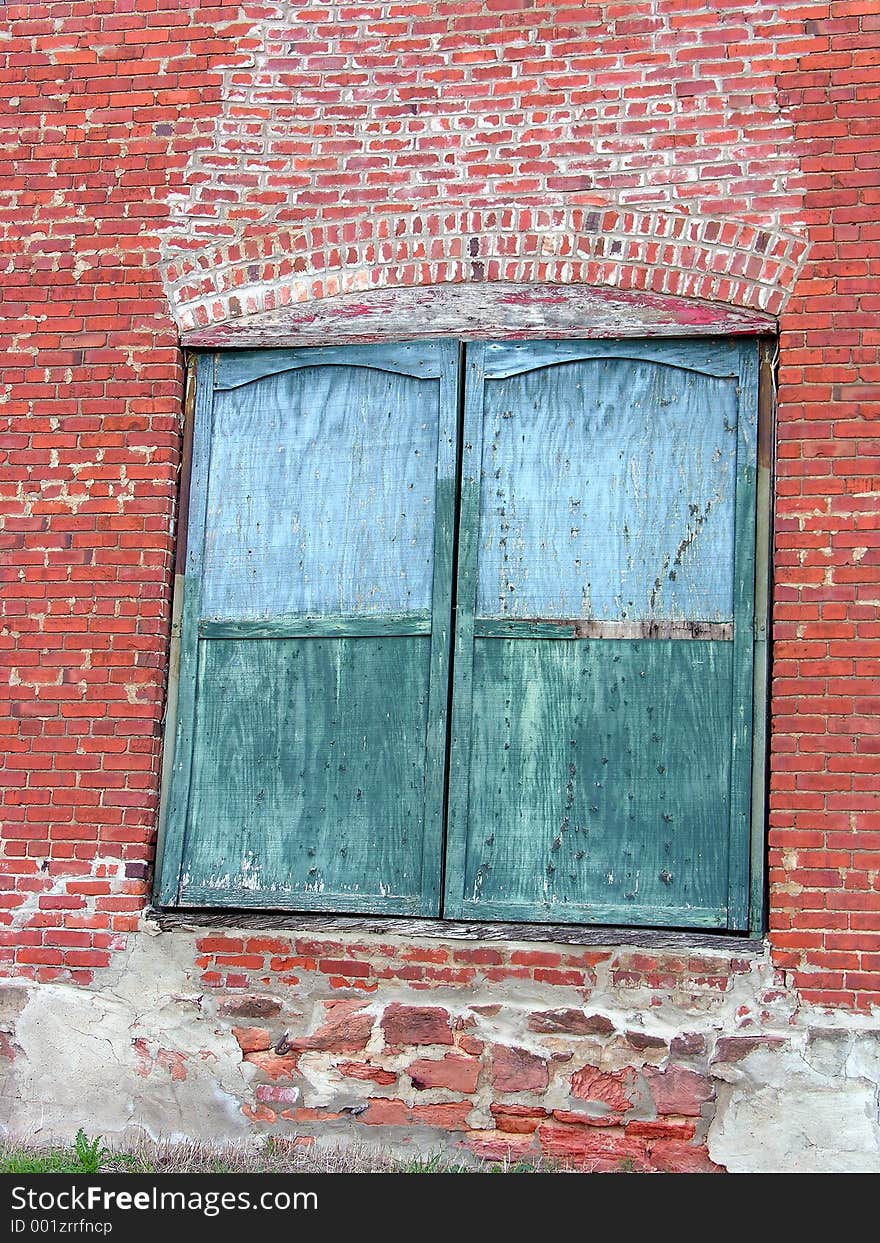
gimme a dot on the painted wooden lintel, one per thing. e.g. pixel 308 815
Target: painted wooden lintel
pixel 474 312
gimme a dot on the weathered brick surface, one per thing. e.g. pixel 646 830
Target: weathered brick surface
pixel 488 1074
pixel 180 168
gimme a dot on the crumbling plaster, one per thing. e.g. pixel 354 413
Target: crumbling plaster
pixel 148 1051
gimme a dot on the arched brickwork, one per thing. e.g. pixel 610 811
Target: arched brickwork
pixel 724 261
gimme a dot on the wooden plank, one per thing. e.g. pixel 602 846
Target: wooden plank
pixel 420 359
pixel 744 641
pixel 594 787
pixel 168 874
pixel 181 523
pixel 358 626
pixel 580 628
pixel 465 598
pixel 321 499
pixel 441 632
pixel 607 488
pixel 481 311
pixel 243 898
pixel 763 595
pixel 460 930
pixel 309 774
pixel 600 913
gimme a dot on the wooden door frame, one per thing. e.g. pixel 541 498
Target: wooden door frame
pixel 498 311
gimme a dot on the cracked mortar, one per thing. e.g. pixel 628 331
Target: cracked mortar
pixel 149 1050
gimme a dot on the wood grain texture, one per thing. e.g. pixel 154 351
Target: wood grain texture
pixel 321 495
pixel 198 438
pixel 600 782
pixel 744 640
pixel 452 929
pixel 687 428
pixel 712 356
pixel 607 491
pixel 580 628
pixel 308 782
pixel 421 359
pixel 479 311
pixel 358 626
pixel 374 438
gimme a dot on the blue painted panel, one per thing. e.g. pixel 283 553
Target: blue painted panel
pixel 607 493
pixel 321 495
pixel 421 359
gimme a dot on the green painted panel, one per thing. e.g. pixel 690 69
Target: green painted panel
pixel 308 784
pixel 568 801
pixel 600 782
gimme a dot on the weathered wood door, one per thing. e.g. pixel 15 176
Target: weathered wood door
pixel 310 750
pixel 603 657
pixel 599 755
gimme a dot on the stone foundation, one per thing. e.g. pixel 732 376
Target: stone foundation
pixel 599 1058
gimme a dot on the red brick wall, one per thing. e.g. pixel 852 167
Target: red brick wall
pixel 209 161
pixel 825 800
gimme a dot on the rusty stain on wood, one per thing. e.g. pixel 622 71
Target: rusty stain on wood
pixel 587 628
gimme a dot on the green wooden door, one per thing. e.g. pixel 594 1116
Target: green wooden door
pixel 599 756
pixel 601 739
pixel 310 746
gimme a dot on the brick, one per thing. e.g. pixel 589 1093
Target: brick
pixel 613 1089
pixel 416 1025
pixel 272 1064
pixel 517 1119
pixel 346 1029
pixel 677 1157
pixel 602 1151
pixel 252 1039
pixel 366 1071
pixel 679 1091
pixel 735 1048
pixel 573 1022
pixel 517 1070
pixel 250 1006
pixel 458 1074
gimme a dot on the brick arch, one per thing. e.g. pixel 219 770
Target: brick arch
pixel 730 262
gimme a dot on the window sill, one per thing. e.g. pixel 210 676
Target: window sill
pixel 170 920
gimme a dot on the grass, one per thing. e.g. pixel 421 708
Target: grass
pixel 274 1156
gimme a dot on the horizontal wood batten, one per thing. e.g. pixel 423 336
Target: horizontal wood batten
pixel 177 920
pixel 599 913
pixel 204 895
pixel 576 628
pixel 318 628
